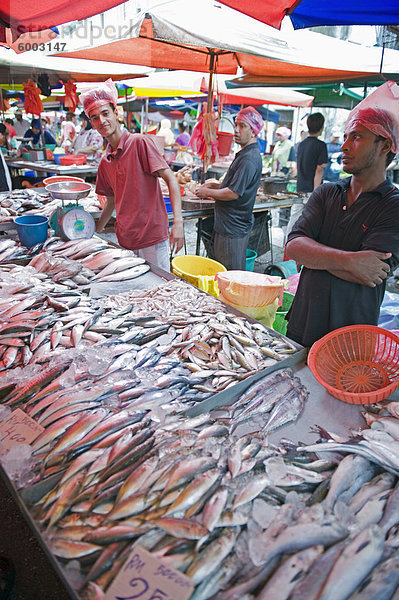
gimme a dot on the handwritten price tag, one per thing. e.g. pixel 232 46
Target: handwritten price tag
pixel 145 577
pixel 18 429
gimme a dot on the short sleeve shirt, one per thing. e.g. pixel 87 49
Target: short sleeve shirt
pixel 129 173
pixel 311 153
pixel 324 302
pixel 234 218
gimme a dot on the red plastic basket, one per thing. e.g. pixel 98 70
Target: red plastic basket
pixel 60 179
pixel 357 364
pixel 73 159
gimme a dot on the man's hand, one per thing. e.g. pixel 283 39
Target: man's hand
pixel 176 237
pixel 366 267
pixel 205 190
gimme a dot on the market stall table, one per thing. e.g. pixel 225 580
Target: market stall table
pixel 23 550
pixel 47 167
pixel 259 207
pixel 38 574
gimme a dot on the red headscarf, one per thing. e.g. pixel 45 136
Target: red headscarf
pixel 252 117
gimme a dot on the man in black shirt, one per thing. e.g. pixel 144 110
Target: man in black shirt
pixel 312 158
pixel 347 238
pixel 235 196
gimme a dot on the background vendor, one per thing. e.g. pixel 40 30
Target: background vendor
pixel 33 135
pixel 235 196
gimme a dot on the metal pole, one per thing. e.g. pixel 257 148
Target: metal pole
pixel 210 83
pixel 142 117
pixel 146 115
pixel 1 101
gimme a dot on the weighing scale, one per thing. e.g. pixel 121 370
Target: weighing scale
pixel 70 221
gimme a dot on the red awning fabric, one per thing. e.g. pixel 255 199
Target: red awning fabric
pixel 153 53
pixel 22 16
pixel 166 37
pixel 313 13
pixel 268 12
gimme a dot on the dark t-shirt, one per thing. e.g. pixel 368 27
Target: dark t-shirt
pixel 324 302
pixel 311 152
pixel 234 218
pixel 4 185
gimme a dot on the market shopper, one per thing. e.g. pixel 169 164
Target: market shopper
pixel 88 141
pixel 68 131
pixel 281 152
pixel 5 178
pixel 166 132
pixel 5 142
pixel 33 135
pixel 281 163
pixel 347 238
pixel 334 167
pixel 128 175
pixel 20 124
pixel 311 160
pixel 235 196
pixel 183 139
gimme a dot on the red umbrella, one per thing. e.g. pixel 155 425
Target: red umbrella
pixel 21 16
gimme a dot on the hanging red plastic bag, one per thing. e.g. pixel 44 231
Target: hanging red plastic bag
pixel 32 104
pixel 204 141
pixel 71 97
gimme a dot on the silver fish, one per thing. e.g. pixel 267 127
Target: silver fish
pixel 356 561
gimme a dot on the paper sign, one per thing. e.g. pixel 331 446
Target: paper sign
pixel 145 577
pixel 19 428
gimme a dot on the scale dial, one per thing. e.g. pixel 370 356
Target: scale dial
pixel 77 223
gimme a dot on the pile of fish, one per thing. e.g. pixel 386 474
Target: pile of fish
pixel 11 250
pixel 18 202
pixel 39 202
pixel 98 261
pixel 267 404
pixel 242 518
pixel 217 345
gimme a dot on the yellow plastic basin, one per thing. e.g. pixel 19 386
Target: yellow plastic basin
pixel 198 271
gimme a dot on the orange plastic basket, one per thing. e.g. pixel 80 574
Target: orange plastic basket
pixel 357 364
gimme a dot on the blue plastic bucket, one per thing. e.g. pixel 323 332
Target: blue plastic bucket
pixel 250 260
pixel 32 229
pixel 168 204
pixel 282 269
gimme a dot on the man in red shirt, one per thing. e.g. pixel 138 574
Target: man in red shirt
pixel 128 177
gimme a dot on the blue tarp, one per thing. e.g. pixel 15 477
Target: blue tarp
pixel 312 13
pixel 389 313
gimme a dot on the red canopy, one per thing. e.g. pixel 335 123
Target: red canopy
pixel 168 37
pixel 268 12
pixel 22 16
pixel 313 13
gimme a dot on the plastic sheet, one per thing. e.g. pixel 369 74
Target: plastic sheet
pixel 389 312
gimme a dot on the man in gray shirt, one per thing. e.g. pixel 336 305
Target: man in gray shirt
pixel 235 196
